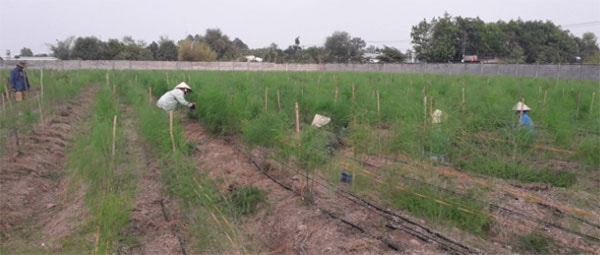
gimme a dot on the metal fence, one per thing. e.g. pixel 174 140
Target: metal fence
pixel 574 71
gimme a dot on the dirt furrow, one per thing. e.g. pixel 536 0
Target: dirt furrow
pixel 33 187
pixel 154 224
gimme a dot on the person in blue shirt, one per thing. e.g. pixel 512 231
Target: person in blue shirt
pixel 525 121
pixel 19 83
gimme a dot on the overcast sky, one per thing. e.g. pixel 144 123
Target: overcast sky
pixel 35 24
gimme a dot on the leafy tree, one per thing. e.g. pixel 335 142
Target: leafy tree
pixel 113 48
pixel 422 38
pixel 190 51
pixel 87 48
pixel 62 49
pixel 153 47
pixel 316 55
pixel 240 45
pixel 588 48
pixel 342 48
pixel 391 55
pixel 220 44
pixel 26 52
pixel 447 40
pixel 134 50
pixel 167 50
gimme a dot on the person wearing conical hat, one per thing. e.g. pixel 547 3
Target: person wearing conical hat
pixel 19 83
pixel 438 143
pixel 522 110
pixel 172 98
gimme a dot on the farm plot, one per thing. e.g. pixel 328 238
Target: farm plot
pixel 247 173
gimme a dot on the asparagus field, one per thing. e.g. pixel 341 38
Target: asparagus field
pixel 403 164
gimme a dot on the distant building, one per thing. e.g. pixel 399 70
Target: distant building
pixel 36 59
pixel 252 58
pixel 372 57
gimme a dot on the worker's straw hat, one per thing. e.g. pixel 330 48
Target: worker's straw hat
pixel 183 85
pixel 21 64
pixel 520 106
pixel 437 116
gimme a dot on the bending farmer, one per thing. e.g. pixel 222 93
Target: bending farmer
pixel 171 98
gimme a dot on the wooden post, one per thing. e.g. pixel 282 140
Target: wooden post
pixel 592 103
pixel 297 118
pixel 168 80
pixel 378 105
pixel 425 110
pixel 266 98
pixel 353 95
pixel 463 100
pixel 114 140
pixel 521 110
pixel 42 83
pixel 40 108
pixel 150 94
pixel 107 80
pixel 171 129
pixel 278 101
pixel 544 103
pixel 337 90
pixel 3 107
pixel 7 93
pixel 578 103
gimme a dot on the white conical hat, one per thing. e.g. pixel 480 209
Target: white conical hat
pixel 183 85
pixel 437 116
pixel 520 106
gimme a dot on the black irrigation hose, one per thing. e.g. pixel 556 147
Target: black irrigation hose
pixel 332 215
pixel 531 218
pixel 462 249
pixel 446 243
pixel 481 201
pixel 179 239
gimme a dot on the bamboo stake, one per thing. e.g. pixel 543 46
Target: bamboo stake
pixel 97 240
pixel 425 110
pixel 297 118
pixel 7 93
pixel 168 80
pixel 592 104
pixel 150 94
pixel 114 140
pixel 266 98
pixel 353 95
pixel 578 103
pixel 3 107
pixel 171 129
pixel 278 101
pixel 463 100
pixel 378 104
pixel 544 103
pixel 337 91
pixel 40 108
pixel 42 83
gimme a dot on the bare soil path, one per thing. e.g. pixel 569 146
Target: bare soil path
pixel 36 205
pixel 154 227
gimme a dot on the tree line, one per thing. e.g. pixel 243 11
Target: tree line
pixel 447 38
pixel 440 40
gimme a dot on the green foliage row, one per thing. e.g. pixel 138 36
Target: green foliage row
pixel 208 211
pixel 110 185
